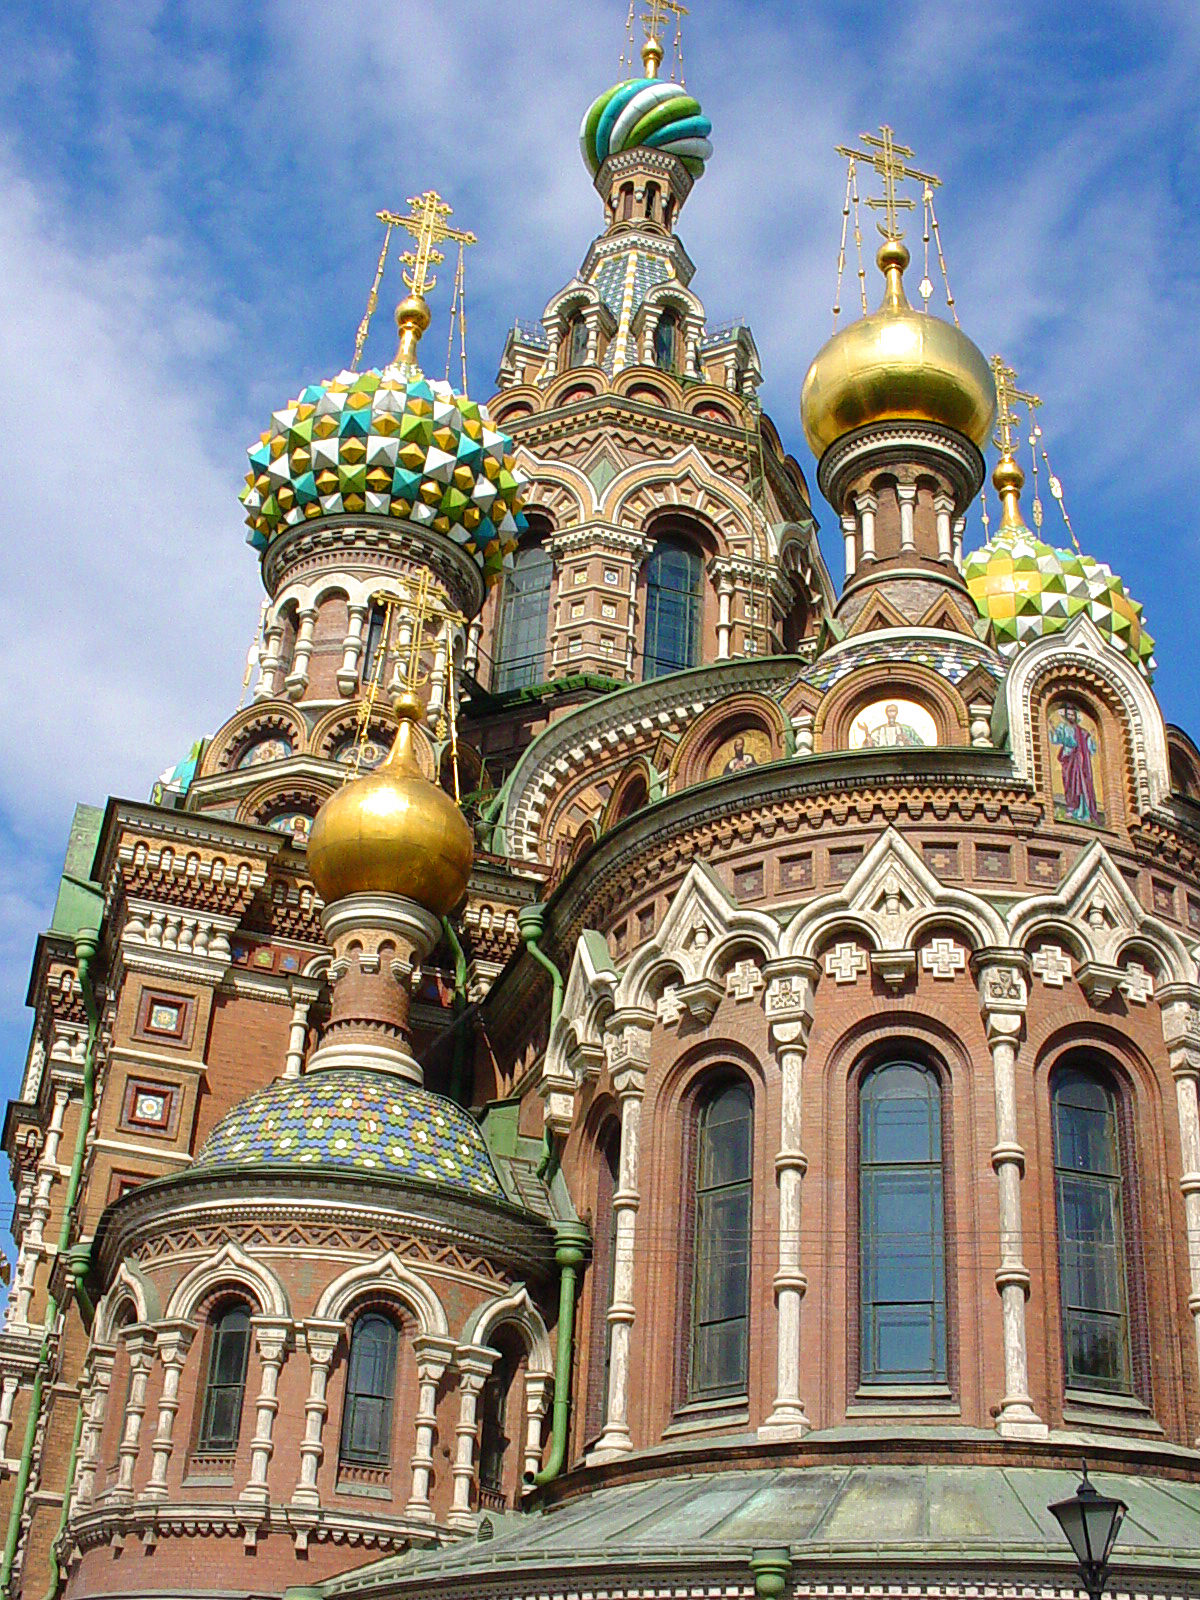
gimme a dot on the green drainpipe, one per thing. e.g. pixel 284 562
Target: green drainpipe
pixel 531 925
pixel 86 941
pixel 571 1240
pixel 458 1071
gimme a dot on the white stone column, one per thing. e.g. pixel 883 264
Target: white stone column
pixel 958 527
pixel 433 1356
pixel 537 1391
pixel 724 617
pixel 1180 1008
pixel 297 679
pixel 789 1010
pixel 471 654
pixel 352 649
pixel 627 1046
pixel 473 1368
pixel 269 662
pixel 303 992
pixel 95 1402
pixel 943 510
pixel 8 1396
pixel 322 1339
pixel 271 1337
pixel 867 505
pixel 174 1342
pixel 139 1343
pixel 39 1211
pixel 1003 994
pixel 849 537
pixel 438 688
pixel 907 495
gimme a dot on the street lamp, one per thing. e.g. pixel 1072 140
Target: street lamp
pixel 1091 1522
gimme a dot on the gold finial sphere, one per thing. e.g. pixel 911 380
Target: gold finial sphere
pixel 892 253
pixel 412 312
pixel 652 56
pixel 1008 476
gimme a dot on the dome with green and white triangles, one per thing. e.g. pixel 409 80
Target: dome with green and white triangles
pixel 1027 589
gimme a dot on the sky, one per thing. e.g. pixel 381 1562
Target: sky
pixel 187 235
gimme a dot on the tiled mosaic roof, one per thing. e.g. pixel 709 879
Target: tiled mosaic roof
pixel 952 660
pixel 389 443
pixel 366 1121
pixel 646 111
pixel 1027 589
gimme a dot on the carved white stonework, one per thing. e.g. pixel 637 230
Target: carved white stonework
pixel 743 980
pixel 670 1007
pixel 944 958
pixel 1138 985
pixel 1052 965
pixel 845 963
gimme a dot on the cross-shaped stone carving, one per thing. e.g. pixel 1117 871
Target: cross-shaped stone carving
pixel 1052 965
pixel 1137 986
pixel 943 958
pixel 743 980
pixel 845 963
pixel 669 1007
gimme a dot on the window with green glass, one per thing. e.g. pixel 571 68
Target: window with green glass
pixel 524 613
pixel 720 1331
pixel 225 1385
pixel 673 591
pixel 370 1383
pixel 902 1235
pixel 1092 1269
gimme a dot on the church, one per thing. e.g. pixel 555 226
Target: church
pixel 627 1069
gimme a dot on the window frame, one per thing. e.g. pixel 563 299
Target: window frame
pixel 530 667
pixel 385 1399
pixel 654 663
pixel 208 1443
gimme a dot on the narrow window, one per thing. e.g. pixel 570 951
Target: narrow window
pixel 651 200
pixel 626 202
pixel 902 1236
pixel 666 342
pixel 577 341
pixel 673 577
pixel 372 662
pixel 1091 1233
pixel 370 1382
pixel 524 612
pixel 494 1438
pixel 721 1259
pixel 225 1387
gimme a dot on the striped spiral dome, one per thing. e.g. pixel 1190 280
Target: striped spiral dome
pixel 646 111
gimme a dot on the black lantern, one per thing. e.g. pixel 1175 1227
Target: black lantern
pixel 1091 1522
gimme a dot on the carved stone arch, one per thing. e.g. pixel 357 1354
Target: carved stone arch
pixel 231 1267
pixel 556 489
pixel 1081 657
pixel 387 1277
pixel 867 684
pixel 575 1047
pixel 518 401
pixel 263 717
pixel 1184 757
pixel 723 721
pixel 683 483
pixel 130 1287
pixel 631 792
pixel 283 796
pixel 586 380
pixel 650 383
pixel 331 587
pixel 670 292
pixel 700 915
pixel 1051 927
pixel 336 725
pixel 892 896
pixel 577 296
pixel 514 1310
pixel 709 402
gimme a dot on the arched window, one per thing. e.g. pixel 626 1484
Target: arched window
pixel 667 341
pixel 524 612
pixel 225 1384
pixel 673 578
pixel 577 341
pixel 371 663
pixel 902 1233
pixel 604 1260
pixel 370 1384
pixel 651 200
pixel 626 202
pixel 720 1322
pixel 494 1434
pixel 1092 1270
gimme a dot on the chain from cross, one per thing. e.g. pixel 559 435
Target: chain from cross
pixel 889 160
pixel 1008 395
pixel 654 18
pixel 419 606
pixel 428 226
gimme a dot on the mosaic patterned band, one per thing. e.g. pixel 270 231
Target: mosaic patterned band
pixel 646 111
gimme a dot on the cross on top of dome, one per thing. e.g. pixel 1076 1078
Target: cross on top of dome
pixel 889 160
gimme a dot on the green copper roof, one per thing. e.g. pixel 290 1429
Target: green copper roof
pixel 646 111
pixel 80 901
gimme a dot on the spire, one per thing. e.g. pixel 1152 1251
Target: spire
pixel 1007 476
pixel 654 20
pixel 427 223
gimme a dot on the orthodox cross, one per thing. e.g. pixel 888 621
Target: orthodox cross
pixel 654 20
pixel 428 226
pixel 889 160
pixel 1007 394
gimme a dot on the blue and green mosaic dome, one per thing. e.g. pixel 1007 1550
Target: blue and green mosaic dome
pixel 389 443
pixel 1027 589
pixel 646 111
pixel 366 1122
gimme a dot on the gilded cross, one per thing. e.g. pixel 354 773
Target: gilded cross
pixel 1008 395
pixel 428 226
pixel 889 160
pixel 654 19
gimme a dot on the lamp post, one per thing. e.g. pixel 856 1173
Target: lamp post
pixel 1091 1522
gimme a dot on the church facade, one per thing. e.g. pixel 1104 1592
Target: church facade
pixel 626 1069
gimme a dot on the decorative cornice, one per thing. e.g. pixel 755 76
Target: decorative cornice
pixel 883 444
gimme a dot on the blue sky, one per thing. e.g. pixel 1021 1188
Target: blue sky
pixel 187 198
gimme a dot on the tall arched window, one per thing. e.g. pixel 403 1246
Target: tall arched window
pixel 666 342
pixel 673 579
pixel 1089 1190
pixel 370 1385
pixel 651 200
pixel 577 341
pixel 371 662
pixel 494 1433
pixel 720 1321
pixel 604 1260
pixel 225 1383
pixel 524 612
pixel 626 202
pixel 902 1233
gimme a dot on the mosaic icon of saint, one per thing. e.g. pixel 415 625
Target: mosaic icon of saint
pixel 890 734
pixel 741 759
pixel 1076 747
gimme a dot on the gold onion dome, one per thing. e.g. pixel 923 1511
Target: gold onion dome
pixel 393 832
pixel 897 365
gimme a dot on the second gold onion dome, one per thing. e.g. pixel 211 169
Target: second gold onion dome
pixel 897 364
pixel 392 831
